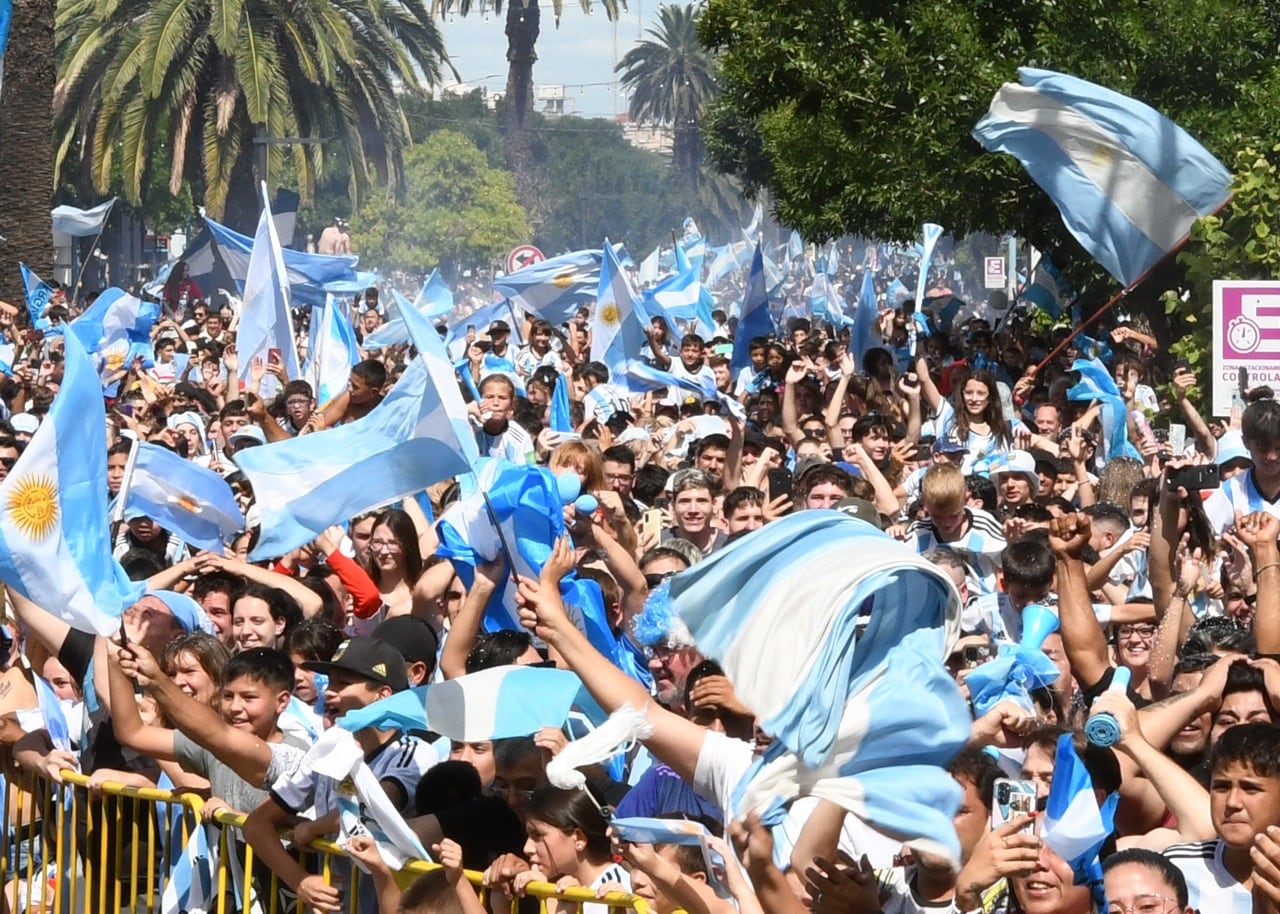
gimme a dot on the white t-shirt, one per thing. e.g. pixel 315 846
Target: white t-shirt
pixel 1210 888
pixel 403 759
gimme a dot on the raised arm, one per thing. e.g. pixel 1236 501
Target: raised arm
pixel 675 741
pixel 156 742
pixel 1259 531
pixel 310 601
pixel 929 392
pixel 39 622
pixel 1082 636
pixel 1183 381
pixel 466 625
pixel 790 417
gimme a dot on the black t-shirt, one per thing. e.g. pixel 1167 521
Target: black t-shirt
pixel 101 749
pixel 485 828
pixel 1089 693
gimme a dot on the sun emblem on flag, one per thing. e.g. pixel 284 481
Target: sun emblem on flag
pixel 32 506
pixel 565 280
pixel 609 314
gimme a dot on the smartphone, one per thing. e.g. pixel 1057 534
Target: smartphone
pixel 275 355
pixel 1012 799
pixel 1177 438
pixel 924 448
pixel 125 409
pixel 651 523
pixel 780 482
pixel 1242 384
pixel 910 380
pixel 975 655
pixel 1195 479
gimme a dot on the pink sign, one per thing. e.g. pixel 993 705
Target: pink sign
pixel 1246 334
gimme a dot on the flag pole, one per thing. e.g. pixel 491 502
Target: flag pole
pixel 117 512
pixel 1115 299
pixel 502 539
pixel 75 288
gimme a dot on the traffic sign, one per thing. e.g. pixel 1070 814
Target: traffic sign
pixel 526 255
pixel 993 272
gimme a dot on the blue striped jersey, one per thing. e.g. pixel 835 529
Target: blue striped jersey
pixel 1237 494
pixel 980 546
pixel 1209 886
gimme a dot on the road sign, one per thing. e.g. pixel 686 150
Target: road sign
pixel 1246 334
pixel 993 276
pixel 526 255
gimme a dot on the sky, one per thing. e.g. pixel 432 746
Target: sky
pixel 580 55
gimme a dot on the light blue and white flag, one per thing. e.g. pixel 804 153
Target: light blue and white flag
pixel 554 288
pixel 416 436
pixel 81 223
pixel 824 302
pixel 647 273
pixel 1016 672
pixel 1127 180
pixel 755 318
pixel 222 255
pixel 403 710
pixel 728 259
pixel 192 884
pixel 1075 826
pixel 561 420
pixel 834 635
pixel 897 293
pixel 265 323
pixel 682 297
pixel 862 337
pixel 795 246
pixel 436 298
pixel 183 497
pixel 331 353
pixel 480 319
pixel 38 291
pixel 931 234
pixel 501 702
pixel 618 324
pixel 757 219
pixel 1096 383
pixel 693 244
pixel 115 317
pixel 1048 290
pixel 55 538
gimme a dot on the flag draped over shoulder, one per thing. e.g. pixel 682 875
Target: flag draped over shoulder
pixel 55 540
pixel 183 497
pixel 1128 181
pixel 834 635
pixel 416 436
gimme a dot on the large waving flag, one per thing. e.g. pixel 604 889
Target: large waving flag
pixel 931 233
pixel 265 323
pixel 618 324
pixel 183 497
pixel 755 319
pixel 682 296
pixel 115 320
pixel 81 223
pixel 332 352
pixel 55 540
pixel 1127 180
pixel 835 634
pixel 1096 383
pixel 38 292
pixel 554 288
pixel 1075 826
pixel 222 255
pixel 434 300
pixel 728 259
pixel 416 436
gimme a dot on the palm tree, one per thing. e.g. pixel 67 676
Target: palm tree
pixel 672 77
pixel 26 146
pixel 523 25
pixel 195 82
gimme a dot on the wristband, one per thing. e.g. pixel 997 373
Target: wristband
pixel 1258 573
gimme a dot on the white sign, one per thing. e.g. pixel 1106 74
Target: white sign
pixel 526 255
pixel 993 276
pixel 1246 334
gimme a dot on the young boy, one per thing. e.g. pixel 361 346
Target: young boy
pixel 362 671
pixel 499 435
pixel 241 751
pixel 1244 801
pixel 975 534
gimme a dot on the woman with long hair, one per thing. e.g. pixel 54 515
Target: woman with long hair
pixel 394 564
pixel 976 420
pixel 568 844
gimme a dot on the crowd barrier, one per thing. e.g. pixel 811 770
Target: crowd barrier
pixel 69 850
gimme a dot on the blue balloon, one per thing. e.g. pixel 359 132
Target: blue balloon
pixel 586 504
pixel 568 485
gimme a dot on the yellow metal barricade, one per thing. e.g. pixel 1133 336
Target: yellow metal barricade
pixel 67 850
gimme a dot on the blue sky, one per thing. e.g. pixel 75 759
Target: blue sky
pixel 580 55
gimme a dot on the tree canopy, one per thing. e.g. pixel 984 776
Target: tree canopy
pixel 457 209
pixel 856 115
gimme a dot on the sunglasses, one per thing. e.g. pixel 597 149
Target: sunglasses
pixel 8 462
pixel 653 580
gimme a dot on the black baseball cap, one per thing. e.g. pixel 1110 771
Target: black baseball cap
pixel 499 327
pixel 412 637
pixel 366 657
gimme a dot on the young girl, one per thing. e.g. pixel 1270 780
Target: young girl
pixel 569 845
pixel 977 422
pixel 395 563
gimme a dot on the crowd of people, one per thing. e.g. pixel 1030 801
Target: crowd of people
pixel 1154 543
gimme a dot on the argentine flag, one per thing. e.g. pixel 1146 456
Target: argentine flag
pixel 553 288
pixel 1075 827
pixel 183 497
pixel 683 296
pixel 756 319
pixel 38 292
pixel 835 634
pixel 416 436
pixel 116 320
pixel 1127 180
pixel 331 353
pixel 55 541
pixel 501 702
pixel 265 323
pixel 617 327
pixel 931 233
